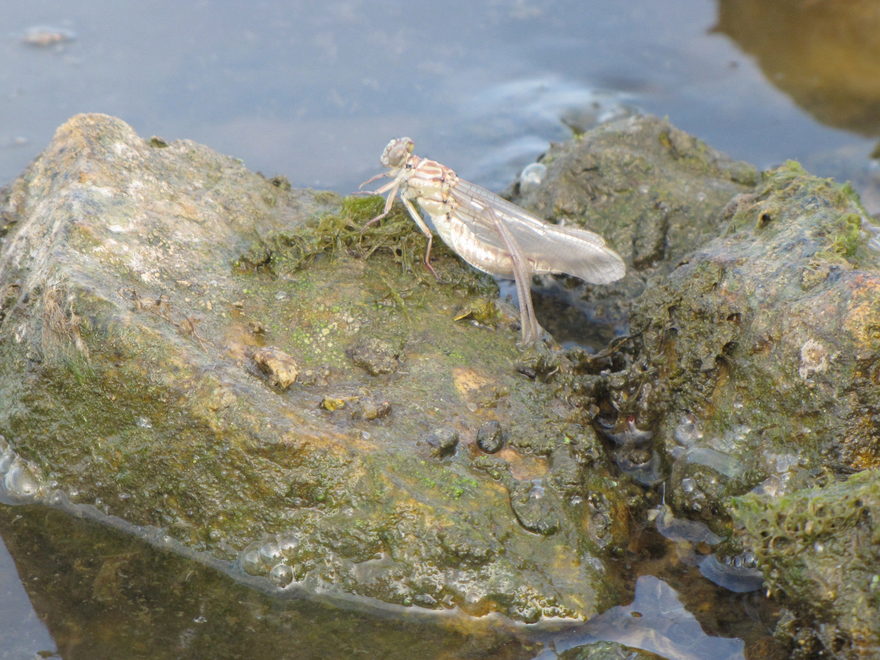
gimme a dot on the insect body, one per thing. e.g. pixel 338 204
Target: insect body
pixel 490 233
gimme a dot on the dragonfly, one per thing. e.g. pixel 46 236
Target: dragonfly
pixel 490 233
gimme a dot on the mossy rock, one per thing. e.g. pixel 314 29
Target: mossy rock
pixel 188 346
pixel 819 549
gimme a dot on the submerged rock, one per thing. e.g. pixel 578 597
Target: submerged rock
pixel 172 329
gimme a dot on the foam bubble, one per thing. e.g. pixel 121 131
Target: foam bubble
pixel 281 575
pixel 251 562
pixel 19 483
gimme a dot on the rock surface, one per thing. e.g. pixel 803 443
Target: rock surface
pixel 653 191
pixel 191 347
pixel 819 551
pixel 754 362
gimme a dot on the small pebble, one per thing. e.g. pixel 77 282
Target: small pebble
pixel 490 437
pixel 280 367
pixel 376 356
pixel 370 409
pixel 443 442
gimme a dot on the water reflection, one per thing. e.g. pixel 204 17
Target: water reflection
pixel 825 55
pixel 655 621
pixel 104 594
pixel 28 636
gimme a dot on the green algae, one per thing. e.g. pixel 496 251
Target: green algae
pixel 819 552
pixel 135 389
pixel 726 351
pixel 840 229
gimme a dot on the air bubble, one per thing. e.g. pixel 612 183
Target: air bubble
pixel 251 562
pixel 281 575
pixel 270 553
pixel 288 542
pixel 531 177
pixel 20 484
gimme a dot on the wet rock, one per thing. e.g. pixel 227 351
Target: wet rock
pixel 759 352
pixel 752 304
pixel 137 281
pixel 280 367
pixel 766 373
pixel 534 507
pixel 817 550
pixel 442 441
pixel 490 437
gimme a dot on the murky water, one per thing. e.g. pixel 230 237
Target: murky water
pixel 313 90
pixel 89 591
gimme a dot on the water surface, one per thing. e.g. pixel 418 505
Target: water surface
pixel 313 90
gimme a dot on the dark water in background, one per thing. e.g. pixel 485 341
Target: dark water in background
pixel 313 90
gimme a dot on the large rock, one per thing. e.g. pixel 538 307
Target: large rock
pixel 188 346
pixel 761 348
pixel 752 365
pixel 757 373
pixel 653 191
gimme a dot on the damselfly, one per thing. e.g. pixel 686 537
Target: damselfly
pixel 490 233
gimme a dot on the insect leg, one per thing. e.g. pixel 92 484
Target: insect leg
pixel 381 175
pixel 417 217
pixel 392 186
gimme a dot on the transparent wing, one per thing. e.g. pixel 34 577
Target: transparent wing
pixel 548 248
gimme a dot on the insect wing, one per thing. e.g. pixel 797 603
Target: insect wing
pixel 548 248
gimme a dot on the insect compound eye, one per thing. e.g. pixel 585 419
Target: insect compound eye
pixel 397 152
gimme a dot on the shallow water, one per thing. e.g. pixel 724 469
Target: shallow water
pixel 89 590
pixel 314 90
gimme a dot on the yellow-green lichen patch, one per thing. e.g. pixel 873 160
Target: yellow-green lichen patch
pixel 818 550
